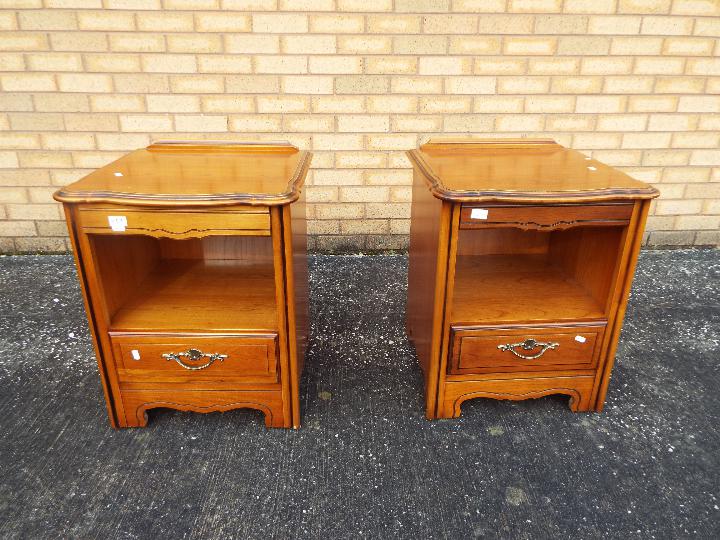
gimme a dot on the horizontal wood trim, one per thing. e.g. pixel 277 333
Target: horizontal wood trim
pixel 547 217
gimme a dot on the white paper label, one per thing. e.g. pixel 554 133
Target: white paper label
pixel 117 223
pixel 580 339
pixel 478 213
pixel 135 354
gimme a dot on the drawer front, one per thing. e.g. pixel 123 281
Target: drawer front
pixel 175 224
pixel 187 358
pixel 544 217
pixel 506 349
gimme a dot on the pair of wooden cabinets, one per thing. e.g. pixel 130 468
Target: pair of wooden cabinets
pixel 194 273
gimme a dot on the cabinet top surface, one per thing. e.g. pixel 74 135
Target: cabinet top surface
pixel 520 170
pixel 196 173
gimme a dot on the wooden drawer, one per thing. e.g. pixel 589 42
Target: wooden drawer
pixel 561 216
pixel 524 348
pixel 187 358
pixel 176 223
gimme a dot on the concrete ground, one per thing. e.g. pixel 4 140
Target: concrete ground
pixel 366 464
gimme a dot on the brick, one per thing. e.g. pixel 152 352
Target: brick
pixel 665 158
pixel 364 226
pixel 698 222
pixel 307 123
pixel 28 82
pixel 283 104
pixel 54 62
pixel 643 6
pixel 43 160
pixel 523 85
pixel 47 20
pixel 391 142
pixel 614 24
pixel 334 141
pixel 363 123
pixel 135 4
pixel 550 104
pixel 688 46
pixel 117 103
pixel 113 63
pixel 249 5
pixel 78 41
pixel 308 44
pixel 52 228
pixel 165 21
pixel 696 7
pixel 416 124
pixel 137 42
pixel 364 194
pixel 378 65
pixel 422 5
pixel 121 141
pixel 696 140
pixel 553 66
pixel 253 84
pixel 33 211
pixel 460 24
pixel 707 190
pixel 106 20
pixel 190 4
pixel 416 85
pixel 705 157
pixel 172 103
pixel 361 84
pixel 203 84
pixel 389 177
pixel 672 122
pixel 201 123
pixel 281 64
pixel 569 122
pixel 339 104
pixel 307 84
pixel 474 45
pixel 519 122
pixel 482 6
pixel 335 177
pixel 600 104
pixel 224 63
pixel 146 123
pixel 606 65
pixel 535 6
pixel 471 85
pixel 364 44
pixel 659 66
pixel 628 85
pixel 222 22
pixel 339 211
pixel 703 66
pixel 646 140
pixel 530 45
pixel 467 123
pixel 652 103
pixel 322 194
pixel 194 43
pixel 12 62
pixel 561 24
pixel 337 24
pixel 634 46
pixel 583 45
pixel 8 21
pixel 226 103
pixel 670 238
pixel 667 26
pixel 17 228
pixel 255 122
pixel 678 207
pixel 249 44
pixel 84 82
pixel 679 85
pixel 498 104
pixel 335 64
pixel 710 122
pixel 444 65
pixel 8 160
pixel 360 160
pixel 707 238
pixel 13 195
pixel 505 24
pixel 91 122
pixel 169 63
pixel 279 23
pixel 393 24
pixel 576 85
pixel 419 44
pixel 392 104
pixel 590 6
pixel 709 104
pixel 445 105
pixel 500 66
pixel 707 27
pixel 622 122
pixel 61 102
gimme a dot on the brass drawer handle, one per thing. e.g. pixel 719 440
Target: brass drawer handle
pixel 194 355
pixel 528 345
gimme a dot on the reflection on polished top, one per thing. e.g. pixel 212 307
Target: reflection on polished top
pixel 196 173
pixel 520 170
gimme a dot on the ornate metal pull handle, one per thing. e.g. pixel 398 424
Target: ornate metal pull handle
pixel 528 345
pixel 194 355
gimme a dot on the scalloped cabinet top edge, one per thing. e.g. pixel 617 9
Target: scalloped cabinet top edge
pixel 196 173
pixel 520 171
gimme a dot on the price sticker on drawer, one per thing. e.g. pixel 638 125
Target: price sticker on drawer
pixel 117 223
pixel 135 354
pixel 580 339
pixel 479 213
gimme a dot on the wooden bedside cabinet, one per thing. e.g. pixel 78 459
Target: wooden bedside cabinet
pixel 522 253
pixel 194 271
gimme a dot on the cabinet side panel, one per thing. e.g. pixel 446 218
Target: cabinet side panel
pixel 427 267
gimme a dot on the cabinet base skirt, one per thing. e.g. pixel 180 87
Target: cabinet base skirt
pixel 136 403
pixel 456 392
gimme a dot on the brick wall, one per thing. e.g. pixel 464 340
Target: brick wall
pixel 635 83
